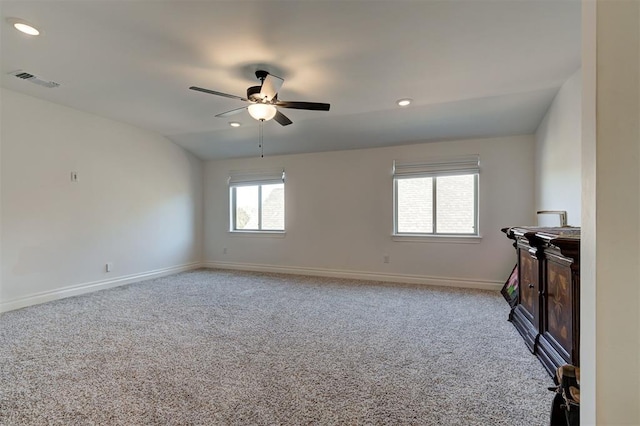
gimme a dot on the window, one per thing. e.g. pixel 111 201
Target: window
pixel 257 201
pixel 437 197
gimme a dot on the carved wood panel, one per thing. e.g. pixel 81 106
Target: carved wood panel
pixel 529 284
pixel 559 308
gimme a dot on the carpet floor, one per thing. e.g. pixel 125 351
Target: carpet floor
pixel 215 347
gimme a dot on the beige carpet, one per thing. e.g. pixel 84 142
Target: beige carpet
pixel 213 347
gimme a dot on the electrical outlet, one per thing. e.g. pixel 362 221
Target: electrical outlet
pixel 224 250
pixel 108 267
pixel 74 176
pixel 385 259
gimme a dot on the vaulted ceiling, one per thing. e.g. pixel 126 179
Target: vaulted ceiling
pixel 473 68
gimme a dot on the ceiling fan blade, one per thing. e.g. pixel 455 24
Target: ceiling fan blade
pixel 213 92
pixel 314 106
pixel 270 86
pixel 282 119
pixel 232 112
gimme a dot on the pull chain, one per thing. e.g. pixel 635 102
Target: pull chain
pixel 261 143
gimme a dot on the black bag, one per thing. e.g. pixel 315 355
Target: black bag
pixel 565 410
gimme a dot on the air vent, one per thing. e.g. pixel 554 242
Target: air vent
pixel 34 79
pixel 24 75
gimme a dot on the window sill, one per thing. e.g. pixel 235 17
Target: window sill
pixel 261 234
pixel 453 239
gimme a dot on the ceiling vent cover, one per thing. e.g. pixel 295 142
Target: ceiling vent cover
pixel 34 79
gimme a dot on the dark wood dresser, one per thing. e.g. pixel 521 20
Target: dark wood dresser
pixel 547 313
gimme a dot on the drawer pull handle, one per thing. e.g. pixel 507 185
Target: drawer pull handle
pixel 530 285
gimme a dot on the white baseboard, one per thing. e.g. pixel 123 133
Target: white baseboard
pixel 359 275
pixel 78 289
pixel 75 290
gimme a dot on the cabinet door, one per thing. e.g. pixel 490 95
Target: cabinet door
pixel 529 295
pixel 558 312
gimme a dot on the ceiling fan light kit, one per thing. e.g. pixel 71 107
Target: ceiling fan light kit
pixel 262 112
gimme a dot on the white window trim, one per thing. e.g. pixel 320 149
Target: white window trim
pixel 434 167
pixel 438 238
pixel 252 178
pixel 259 234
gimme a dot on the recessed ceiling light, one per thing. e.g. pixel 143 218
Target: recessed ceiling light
pixel 23 26
pixel 403 102
pixel 234 124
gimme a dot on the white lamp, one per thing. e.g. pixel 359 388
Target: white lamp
pixel 262 112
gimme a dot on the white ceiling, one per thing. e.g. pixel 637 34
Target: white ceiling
pixel 474 68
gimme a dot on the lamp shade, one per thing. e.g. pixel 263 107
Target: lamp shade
pixel 263 112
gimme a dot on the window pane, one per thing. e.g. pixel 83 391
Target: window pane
pixel 273 207
pixel 415 205
pixel 246 207
pixel 455 204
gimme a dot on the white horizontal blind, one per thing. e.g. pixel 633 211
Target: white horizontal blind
pixel 442 166
pixel 256 177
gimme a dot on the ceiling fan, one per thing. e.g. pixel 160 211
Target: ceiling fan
pixel 264 100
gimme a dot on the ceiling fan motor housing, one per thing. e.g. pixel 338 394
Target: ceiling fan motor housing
pixel 253 94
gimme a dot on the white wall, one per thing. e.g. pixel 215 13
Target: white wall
pixel 1 239
pixel 612 188
pixel 588 227
pixel 339 215
pixel 137 204
pixel 558 151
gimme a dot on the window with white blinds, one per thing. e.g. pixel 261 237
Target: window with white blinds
pixel 438 196
pixel 256 200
